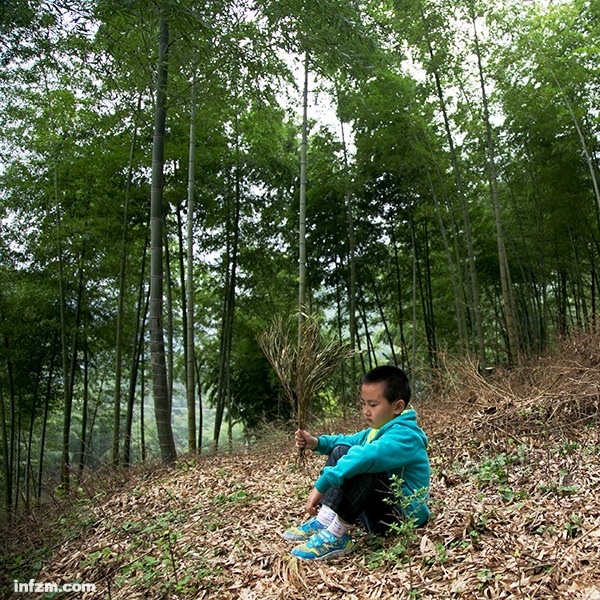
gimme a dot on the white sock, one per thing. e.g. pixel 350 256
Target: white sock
pixel 325 515
pixel 338 527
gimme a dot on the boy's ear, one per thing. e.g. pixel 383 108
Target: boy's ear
pixel 400 406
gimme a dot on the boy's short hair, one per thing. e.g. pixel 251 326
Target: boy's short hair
pixel 396 382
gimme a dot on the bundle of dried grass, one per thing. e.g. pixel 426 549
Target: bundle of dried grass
pixel 303 363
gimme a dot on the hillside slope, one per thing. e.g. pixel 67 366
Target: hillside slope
pixel 515 505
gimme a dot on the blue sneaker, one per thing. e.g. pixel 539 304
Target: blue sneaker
pixel 302 533
pixel 324 545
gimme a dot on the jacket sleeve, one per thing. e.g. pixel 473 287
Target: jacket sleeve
pixel 390 452
pixel 327 443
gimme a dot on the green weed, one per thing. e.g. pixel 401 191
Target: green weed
pixel 573 525
pixel 402 530
pixel 493 471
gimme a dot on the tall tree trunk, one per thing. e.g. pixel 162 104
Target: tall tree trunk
pixel 121 300
pixel 347 399
pixel 371 356
pixel 584 145
pixel 64 469
pixel 359 346
pixel 70 382
pixel 578 287
pixel 455 274
pixel 45 418
pixel 476 308
pixel 162 408
pixel 224 340
pixel 90 436
pixel 229 425
pixel 593 297
pixel 200 413
pixel 17 490
pixel 302 211
pixel 170 329
pixel 6 464
pixel 136 359
pixel 231 303
pixel 136 354
pixel 182 252
pixel 505 280
pixel 223 388
pixel 8 428
pixel 405 361
pixel 28 469
pixel 143 447
pixel 351 254
pixel 84 410
pixel 414 299
pixel 190 373
pixel 427 307
pixel 382 315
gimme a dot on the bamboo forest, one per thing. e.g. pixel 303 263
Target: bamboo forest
pixel 418 176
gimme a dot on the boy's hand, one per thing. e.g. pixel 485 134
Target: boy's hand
pixel 304 439
pixel 313 501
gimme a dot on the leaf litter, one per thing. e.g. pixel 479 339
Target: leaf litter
pixel 515 502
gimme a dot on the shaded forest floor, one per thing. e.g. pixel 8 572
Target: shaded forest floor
pixel 515 503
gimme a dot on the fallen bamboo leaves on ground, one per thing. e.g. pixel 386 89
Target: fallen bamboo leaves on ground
pixel 515 500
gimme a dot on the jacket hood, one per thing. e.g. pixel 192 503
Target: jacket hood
pixel 408 418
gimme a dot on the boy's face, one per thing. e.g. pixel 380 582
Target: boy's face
pixel 375 406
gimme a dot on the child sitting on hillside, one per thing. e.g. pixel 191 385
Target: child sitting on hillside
pixel 356 480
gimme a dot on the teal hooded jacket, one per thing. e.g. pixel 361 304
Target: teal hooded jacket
pixel 399 448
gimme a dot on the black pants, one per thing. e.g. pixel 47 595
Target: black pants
pixel 361 497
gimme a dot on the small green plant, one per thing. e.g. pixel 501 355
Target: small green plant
pixel 478 526
pixel 238 495
pixel 404 528
pixel 485 576
pixel 568 447
pixel 375 547
pixel 460 544
pixel 567 490
pixel 509 494
pixel 442 553
pixel 493 471
pixel 573 525
pixel 562 488
pixel 592 449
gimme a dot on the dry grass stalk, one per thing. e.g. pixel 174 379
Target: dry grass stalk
pixel 560 390
pixel 302 364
